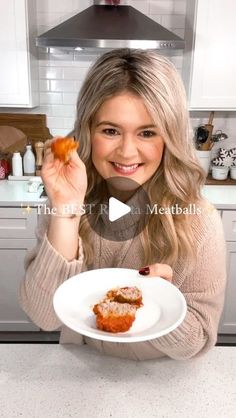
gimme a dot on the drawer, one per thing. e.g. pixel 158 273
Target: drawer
pixel 229 223
pixel 18 222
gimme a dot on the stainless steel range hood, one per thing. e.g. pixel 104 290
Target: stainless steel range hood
pixel 105 26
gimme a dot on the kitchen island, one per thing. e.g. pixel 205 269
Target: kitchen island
pixel 51 380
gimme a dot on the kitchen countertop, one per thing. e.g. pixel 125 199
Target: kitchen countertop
pixel 222 197
pixel 14 193
pixel 50 380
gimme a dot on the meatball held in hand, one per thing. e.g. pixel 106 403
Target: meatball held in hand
pixel 62 148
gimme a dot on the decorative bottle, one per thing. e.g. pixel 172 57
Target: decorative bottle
pixel 17 164
pixel 29 161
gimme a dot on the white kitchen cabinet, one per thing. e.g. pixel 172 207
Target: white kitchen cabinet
pixel 228 318
pixel 209 65
pixel 19 67
pixel 17 235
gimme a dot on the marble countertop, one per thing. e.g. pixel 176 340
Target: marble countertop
pixel 50 380
pixel 13 193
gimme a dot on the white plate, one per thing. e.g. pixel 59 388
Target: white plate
pixel 164 306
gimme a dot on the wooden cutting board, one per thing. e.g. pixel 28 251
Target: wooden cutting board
pixel 34 126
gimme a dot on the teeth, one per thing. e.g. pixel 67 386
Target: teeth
pixel 126 167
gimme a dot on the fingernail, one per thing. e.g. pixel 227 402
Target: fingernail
pixel 144 271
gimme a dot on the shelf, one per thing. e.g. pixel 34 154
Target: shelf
pixel 228 182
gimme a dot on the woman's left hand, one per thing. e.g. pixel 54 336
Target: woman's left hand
pixel 158 269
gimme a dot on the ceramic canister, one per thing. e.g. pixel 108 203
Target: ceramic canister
pixel 233 172
pixel 204 158
pixel 219 172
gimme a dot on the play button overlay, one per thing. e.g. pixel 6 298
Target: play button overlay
pixel 118 209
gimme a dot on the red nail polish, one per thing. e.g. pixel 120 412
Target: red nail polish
pixel 144 271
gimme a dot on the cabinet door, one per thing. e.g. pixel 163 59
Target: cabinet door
pixel 228 318
pixel 15 70
pixel 17 222
pixel 213 67
pixel 229 224
pixel 12 254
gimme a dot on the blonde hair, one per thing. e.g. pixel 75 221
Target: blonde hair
pixel 153 78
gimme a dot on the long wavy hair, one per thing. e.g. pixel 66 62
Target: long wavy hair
pixel 154 79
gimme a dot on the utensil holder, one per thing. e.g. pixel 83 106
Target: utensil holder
pixel 204 158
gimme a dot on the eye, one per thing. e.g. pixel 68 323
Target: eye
pixel 110 131
pixel 148 134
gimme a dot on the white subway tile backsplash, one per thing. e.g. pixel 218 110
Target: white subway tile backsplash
pixel 49 62
pixel 77 73
pixel 50 6
pixel 67 15
pixel 62 85
pixel 180 7
pixel 48 20
pixel 44 85
pixel 177 61
pixel 63 111
pixel 229 124
pixel 79 5
pixel 41 29
pixel 179 32
pixel 62 5
pixel 173 21
pixel 69 98
pixel 54 121
pixel 78 85
pixel 59 132
pixel 47 109
pixel 69 123
pixel 42 6
pixel 159 7
pixel 62 56
pixel 50 73
pixel 156 18
pixel 142 6
pixel 86 59
pixel 51 98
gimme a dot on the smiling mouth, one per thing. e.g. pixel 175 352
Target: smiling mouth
pixel 124 168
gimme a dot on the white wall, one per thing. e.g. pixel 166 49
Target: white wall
pixel 61 74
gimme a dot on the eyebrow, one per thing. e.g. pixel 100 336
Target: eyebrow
pixel 106 122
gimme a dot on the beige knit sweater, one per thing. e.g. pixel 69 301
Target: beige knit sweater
pixel 203 288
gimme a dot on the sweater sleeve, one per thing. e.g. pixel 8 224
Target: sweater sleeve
pixel 204 291
pixel 46 270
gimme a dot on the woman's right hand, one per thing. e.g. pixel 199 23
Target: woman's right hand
pixel 65 184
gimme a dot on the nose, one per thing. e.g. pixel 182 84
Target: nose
pixel 127 148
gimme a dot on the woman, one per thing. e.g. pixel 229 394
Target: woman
pixel 132 121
